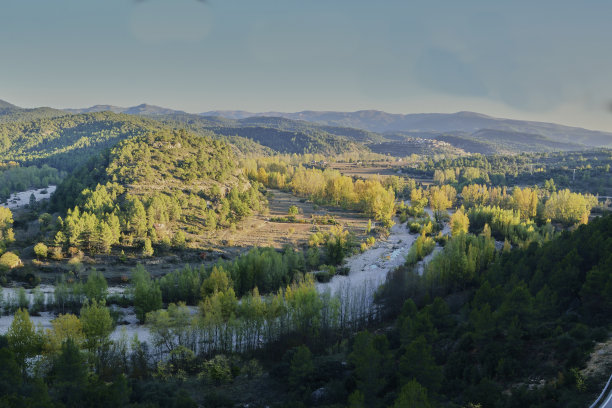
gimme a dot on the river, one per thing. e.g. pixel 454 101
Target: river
pixel 21 199
pixel 368 270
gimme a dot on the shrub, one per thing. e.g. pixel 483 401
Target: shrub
pixel 9 261
pixel 41 250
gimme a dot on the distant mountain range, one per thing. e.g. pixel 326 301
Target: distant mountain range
pixel 142 109
pixel 329 132
pixel 382 122
pixel 465 122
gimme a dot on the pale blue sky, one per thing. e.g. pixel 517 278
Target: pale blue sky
pixel 541 60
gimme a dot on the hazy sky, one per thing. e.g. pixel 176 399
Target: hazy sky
pixel 542 60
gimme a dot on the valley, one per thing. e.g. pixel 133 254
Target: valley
pixel 197 243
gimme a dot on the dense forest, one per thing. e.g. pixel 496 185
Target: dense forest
pixel 67 142
pixel 458 337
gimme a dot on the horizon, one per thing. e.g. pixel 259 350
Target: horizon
pixel 269 112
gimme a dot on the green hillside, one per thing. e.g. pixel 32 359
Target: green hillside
pixel 12 113
pixel 158 188
pixel 277 134
pixel 68 141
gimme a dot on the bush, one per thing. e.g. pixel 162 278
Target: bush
pixel 218 370
pixel 344 271
pixel 323 276
pixel 56 253
pixel 9 261
pixel 41 250
pixel 415 227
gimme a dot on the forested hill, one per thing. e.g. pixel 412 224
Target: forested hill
pixel 152 187
pixel 277 134
pixel 515 333
pixel 68 141
pixel 12 113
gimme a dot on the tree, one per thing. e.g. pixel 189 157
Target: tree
pixel 376 201
pixel 412 395
pixel 23 340
pixel 217 281
pixel 6 228
pixel 569 208
pixel 441 199
pixel 417 363
pixel 10 377
pixel 9 261
pixel 69 375
pixel 525 201
pixel 40 250
pixel 418 201
pixel 372 361
pixel 301 368
pixel 96 287
pixel 32 201
pixel 147 249
pixel 178 240
pixel 97 324
pixel 105 238
pixel 460 223
pixel 147 294
pixel 65 327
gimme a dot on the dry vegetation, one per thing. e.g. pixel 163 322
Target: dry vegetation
pixel 258 230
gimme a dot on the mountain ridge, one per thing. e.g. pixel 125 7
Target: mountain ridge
pixel 465 121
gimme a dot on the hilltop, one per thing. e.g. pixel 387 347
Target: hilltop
pixel 68 141
pixel 13 113
pixel 155 186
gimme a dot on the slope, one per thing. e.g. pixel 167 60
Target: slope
pixel 13 113
pixel 277 134
pixel 154 186
pixel 68 141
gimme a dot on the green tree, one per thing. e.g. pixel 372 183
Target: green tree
pixel 418 363
pixel 69 376
pixel 147 249
pixel 147 294
pixel 412 395
pixel 301 369
pixel 97 325
pixel 40 250
pixel 23 340
pixel 65 327
pixel 10 376
pixel 96 287
pixel 178 240
pixel 372 361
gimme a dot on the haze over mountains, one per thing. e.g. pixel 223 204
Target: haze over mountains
pixel 381 122
pixel 378 121
pixel 330 132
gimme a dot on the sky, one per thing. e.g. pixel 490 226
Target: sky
pixel 537 60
